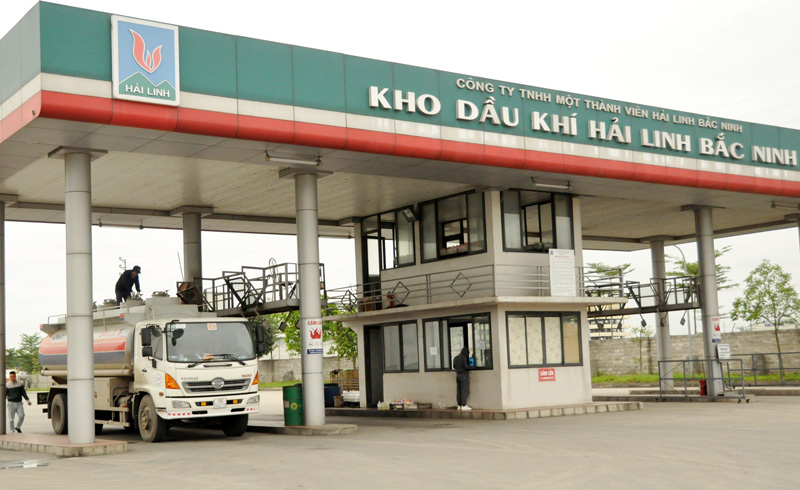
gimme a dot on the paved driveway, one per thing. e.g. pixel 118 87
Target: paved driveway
pixel 666 445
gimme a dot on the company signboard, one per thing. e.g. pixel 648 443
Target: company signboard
pixel 522 110
pixel 484 112
pixel 145 61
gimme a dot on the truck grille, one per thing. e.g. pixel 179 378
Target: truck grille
pixel 208 386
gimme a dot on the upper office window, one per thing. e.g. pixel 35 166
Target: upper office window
pixel 536 221
pixel 389 240
pixel 453 226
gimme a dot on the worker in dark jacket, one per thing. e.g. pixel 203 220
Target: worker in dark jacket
pixel 15 392
pixel 462 367
pixel 127 280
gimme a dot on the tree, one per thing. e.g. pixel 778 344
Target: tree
pixel 769 297
pixel 26 357
pixel 269 328
pixel 639 334
pixel 684 268
pixel 608 270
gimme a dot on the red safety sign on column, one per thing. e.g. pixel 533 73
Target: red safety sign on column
pixel 313 330
pixel 716 332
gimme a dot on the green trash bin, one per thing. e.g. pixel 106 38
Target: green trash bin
pixel 293 405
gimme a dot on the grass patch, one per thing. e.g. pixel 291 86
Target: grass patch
pixel 277 384
pixel 653 378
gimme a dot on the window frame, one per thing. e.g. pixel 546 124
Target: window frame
pixel 444 339
pixel 523 222
pixel 400 325
pixel 439 228
pixel 398 215
pixel 543 315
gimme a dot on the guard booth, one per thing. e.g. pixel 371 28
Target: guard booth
pixel 470 200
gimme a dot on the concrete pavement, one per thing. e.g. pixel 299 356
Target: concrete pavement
pixel 704 445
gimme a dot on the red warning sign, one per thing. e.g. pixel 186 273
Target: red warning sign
pixel 547 374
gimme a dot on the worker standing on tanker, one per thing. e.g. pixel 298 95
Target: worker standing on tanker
pixel 127 280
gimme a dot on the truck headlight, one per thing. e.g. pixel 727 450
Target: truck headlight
pixel 181 404
pixel 252 400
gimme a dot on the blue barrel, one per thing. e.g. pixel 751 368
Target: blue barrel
pixel 331 390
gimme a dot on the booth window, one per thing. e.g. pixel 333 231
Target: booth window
pixel 400 347
pixel 444 338
pixel 389 240
pixel 536 221
pixel 452 226
pixel 543 339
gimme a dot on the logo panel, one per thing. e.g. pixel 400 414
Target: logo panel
pixel 145 61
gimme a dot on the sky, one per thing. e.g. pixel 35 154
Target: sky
pixel 732 59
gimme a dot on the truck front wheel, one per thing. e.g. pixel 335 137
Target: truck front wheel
pixel 152 428
pixel 235 425
pixel 58 413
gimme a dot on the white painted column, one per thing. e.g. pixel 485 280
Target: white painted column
pixel 662 319
pixel 708 294
pixel 3 315
pixel 310 307
pixel 80 358
pixel 192 247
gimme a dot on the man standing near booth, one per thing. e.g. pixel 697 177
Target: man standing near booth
pixel 127 280
pixel 15 392
pixel 462 367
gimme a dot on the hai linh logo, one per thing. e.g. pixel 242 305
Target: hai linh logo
pixel 145 61
pixel 151 63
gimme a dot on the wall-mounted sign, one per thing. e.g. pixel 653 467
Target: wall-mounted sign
pixel 144 61
pixel 547 374
pixel 312 331
pixel 716 331
pixel 562 273
pixel 723 351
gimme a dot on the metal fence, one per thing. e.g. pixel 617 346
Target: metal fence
pixel 769 363
pixel 676 372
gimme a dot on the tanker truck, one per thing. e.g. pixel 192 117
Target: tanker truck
pixel 157 364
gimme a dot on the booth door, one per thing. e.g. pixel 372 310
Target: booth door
pixel 373 358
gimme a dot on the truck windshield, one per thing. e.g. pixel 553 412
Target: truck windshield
pixel 210 341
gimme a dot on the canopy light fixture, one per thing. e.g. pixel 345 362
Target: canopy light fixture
pixel 790 207
pixel 293 161
pixel 564 187
pixel 408 214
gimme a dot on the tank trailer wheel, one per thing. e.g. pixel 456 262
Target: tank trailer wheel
pixel 58 413
pixel 151 427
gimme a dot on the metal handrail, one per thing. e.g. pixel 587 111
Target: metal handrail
pixel 664 369
pixel 253 286
pixel 485 280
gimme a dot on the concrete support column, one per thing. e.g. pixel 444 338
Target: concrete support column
pixel 662 318
pixel 3 315
pixel 192 247
pixel 80 358
pixel 708 295
pixel 310 307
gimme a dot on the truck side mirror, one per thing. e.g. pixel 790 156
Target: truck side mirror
pixel 260 347
pixel 147 351
pixel 146 337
